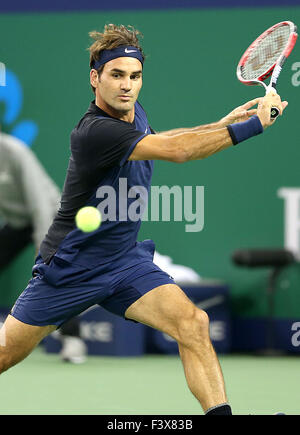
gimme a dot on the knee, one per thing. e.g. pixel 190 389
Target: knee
pixel 194 329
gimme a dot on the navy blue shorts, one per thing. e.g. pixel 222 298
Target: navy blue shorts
pixel 61 290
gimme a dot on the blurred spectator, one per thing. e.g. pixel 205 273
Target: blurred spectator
pixel 29 200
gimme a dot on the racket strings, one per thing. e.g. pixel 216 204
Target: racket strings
pixel 265 53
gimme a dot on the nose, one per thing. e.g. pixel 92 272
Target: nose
pixel 126 84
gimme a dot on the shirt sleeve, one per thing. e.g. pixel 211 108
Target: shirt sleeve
pixel 104 143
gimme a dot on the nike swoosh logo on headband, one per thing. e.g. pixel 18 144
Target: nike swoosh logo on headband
pixel 130 51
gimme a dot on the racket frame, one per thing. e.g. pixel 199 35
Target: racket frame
pixel 279 63
pixel 273 71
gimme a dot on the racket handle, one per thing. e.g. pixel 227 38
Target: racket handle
pixel 274 112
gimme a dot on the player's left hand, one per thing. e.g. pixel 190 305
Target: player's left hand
pixel 240 113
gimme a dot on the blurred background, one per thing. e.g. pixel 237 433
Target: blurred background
pixel 251 192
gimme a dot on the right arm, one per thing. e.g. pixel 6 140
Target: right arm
pixel 181 147
pixel 195 145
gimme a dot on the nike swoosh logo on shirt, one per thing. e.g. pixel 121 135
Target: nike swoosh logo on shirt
pixel 130 51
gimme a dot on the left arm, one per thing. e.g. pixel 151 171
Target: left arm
pixel 239 114
pixel 198 129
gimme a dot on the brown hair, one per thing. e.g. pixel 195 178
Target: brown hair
pixel 113 36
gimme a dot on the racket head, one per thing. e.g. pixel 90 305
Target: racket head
pixel 272 47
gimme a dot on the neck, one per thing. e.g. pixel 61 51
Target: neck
pixel 123 116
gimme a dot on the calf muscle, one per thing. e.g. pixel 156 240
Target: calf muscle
pixel 168 309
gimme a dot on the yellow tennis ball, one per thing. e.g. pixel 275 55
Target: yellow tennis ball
pixel 88 219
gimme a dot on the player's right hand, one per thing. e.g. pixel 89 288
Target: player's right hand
pixel 272 99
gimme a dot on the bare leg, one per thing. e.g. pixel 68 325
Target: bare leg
pixel 168 309
pixel 17 340
pixel 204 376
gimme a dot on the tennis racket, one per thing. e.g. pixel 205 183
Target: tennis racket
pixel 265 57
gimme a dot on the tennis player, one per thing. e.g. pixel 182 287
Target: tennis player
pixel 74 270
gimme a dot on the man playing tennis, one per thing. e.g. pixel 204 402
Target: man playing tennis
pixel 75 270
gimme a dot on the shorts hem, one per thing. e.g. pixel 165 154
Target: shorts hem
pixel 139 293
pixel 31 322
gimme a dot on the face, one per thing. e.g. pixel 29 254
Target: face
pixel 119 85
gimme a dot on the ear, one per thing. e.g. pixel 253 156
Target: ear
pixel 94 78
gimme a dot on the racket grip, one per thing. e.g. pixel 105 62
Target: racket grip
pixel 274 112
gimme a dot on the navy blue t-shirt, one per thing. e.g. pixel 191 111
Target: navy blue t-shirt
pixel 100 175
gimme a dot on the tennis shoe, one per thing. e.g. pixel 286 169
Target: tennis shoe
pixel 73 350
